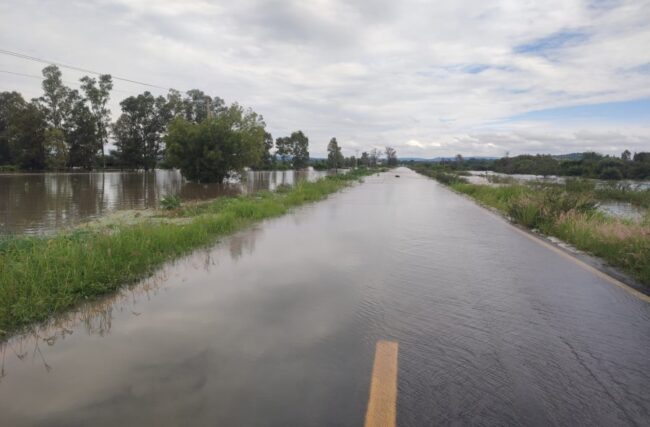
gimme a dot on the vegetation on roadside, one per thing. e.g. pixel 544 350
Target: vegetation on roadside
pixel 40 277
pixel 568 212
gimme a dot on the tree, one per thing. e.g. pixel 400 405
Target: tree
pixel 81 133
pixel 56 99
pixel 22 132
pixel 334 156
pixel 216 147
pixel 295 146
pixel 268 159
pixel 175 105
pixel 199 106
pixel 98 93
pixel 11 105
pixel 626 155
pixel 56 149
pixel 300 149
pixel 139 130
pixel 284 148
pixel 374 157
pixel 391 156
pixel 26 135
pixel 365 159
pixel 351 162
pixel 642 157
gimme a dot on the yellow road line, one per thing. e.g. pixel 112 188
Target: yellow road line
pixel 383 387
pixel 586 266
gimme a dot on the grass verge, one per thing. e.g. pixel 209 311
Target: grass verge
pixel 568 213
pixel 40 277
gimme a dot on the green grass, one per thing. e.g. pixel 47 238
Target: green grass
pixel 568 212
pixel 40 277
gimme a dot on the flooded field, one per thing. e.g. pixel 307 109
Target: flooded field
pixel 482 178
pixel 277 325
pixel 43 203
pixel 622 210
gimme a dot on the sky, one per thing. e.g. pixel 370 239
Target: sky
pixel 430 78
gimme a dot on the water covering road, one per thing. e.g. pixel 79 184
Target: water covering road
pixel 278 325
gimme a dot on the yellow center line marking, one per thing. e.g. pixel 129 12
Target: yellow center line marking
pixel 383 387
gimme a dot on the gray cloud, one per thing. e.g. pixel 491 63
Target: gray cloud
pixel 429 78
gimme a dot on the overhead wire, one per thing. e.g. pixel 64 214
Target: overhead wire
pixel 76 68
pixel 33 76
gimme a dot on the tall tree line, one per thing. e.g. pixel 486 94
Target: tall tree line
pixel 206 139
pixel 62 128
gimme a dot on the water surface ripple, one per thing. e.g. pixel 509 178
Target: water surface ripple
pixel 277 326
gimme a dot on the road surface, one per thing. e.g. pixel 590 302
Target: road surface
pixel 396 283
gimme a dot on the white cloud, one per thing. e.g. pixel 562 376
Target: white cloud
pixel 426 77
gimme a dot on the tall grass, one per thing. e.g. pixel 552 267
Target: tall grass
pixel 43 276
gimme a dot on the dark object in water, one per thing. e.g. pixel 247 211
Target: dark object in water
pixel 396 176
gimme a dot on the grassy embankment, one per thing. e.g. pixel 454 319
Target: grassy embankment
pixel 40 277
pixel 568 212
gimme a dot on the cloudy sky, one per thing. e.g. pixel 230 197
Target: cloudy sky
pixel 430 78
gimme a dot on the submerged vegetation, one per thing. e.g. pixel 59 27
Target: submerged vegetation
pixel 40 277
pixel 569 212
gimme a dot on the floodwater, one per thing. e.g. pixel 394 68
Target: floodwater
pixel 277 326
pixel 480 177
pixel 43 203
pixel 623 210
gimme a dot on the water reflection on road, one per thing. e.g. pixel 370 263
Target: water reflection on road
pixel 277 326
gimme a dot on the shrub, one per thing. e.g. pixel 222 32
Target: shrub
pixel 170 202
pixel 611 173
pixel 8 168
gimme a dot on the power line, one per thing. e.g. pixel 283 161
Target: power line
pixel 32 76
pixel 72 67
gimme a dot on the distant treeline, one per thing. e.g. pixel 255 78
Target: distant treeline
pixel 199 134
pixel 586 165
pixel 591 165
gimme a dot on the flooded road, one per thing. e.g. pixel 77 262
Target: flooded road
pixel 277 326
pixel 42 203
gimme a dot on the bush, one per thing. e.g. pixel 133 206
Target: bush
pixel 545 206
pixel 170 202
pixel 8 168
pixel 526 211
pixel 611 173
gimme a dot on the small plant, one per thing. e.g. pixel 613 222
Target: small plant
pixel 283 188
pixel 170 202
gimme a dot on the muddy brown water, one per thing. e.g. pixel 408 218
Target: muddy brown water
pixel 46 202
pixel 277 325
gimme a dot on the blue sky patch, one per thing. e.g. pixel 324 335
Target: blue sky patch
pixel 475 68
pixel 552 42
pixel 637 111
